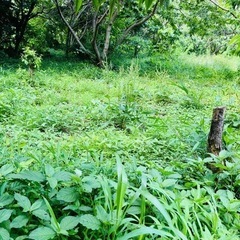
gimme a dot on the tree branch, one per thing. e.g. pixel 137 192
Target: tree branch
pixel 223 8
pixel 94 40
pixel 71 30
pixel 82 11
pixel 138 23
pixel 96 23
pixel 102 17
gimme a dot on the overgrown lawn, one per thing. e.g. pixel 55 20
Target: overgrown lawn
pixel 89 153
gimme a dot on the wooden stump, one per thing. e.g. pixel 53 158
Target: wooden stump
pixel 215 144
pixel 216 130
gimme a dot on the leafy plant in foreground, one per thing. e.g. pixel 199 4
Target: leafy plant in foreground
pixel 56 204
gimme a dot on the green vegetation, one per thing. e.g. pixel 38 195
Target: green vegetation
pixel 117 150
pixel 97 29
pixel 30 59
pixel 90 153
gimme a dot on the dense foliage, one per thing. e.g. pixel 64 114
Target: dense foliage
pixel 88 153
pixel 118 152
pixel 95 30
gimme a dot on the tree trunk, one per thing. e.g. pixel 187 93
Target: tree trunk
pixel 81 46
pixel 94 39
pixel 215 136
pixel 107 41
pixel 216 130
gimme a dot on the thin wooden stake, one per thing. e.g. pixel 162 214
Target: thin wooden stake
pixel 216 130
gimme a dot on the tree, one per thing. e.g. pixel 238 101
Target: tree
pixel 232 7
pixel 205 26
pixel 92 23
pixel 96 28
pixel 14 18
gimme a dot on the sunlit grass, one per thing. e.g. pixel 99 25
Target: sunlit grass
pixel 217 62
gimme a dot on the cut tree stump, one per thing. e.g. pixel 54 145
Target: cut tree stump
pixel 216 130
pixel 215 143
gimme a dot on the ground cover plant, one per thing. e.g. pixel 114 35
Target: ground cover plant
pixel 89 153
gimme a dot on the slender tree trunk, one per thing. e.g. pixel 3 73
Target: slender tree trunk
pixel 107 41
pixel 68 43
pixel 82 48
pixel 20 30
pixel 22 25
pixel 108 36
pixel 94 40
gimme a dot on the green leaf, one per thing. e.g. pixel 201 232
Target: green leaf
pixel 23 202
pixel 235 39
pixel 19 221
pixel 96 4
pixel 102 215
pixel 5 214
pixel 182 87
pixel 89 183
pixel 6 169
pixel 165 3
pixel 89 221
pixel 42 214
pixel 148 3
pixel 69 222
pixel 29 175
pixel 63 176
pixel 36 205
pixel 54 221
pixel 121 187
pixel 155 202
pixel 111 7
pixel 42 233
pixel 146 231
pixel 5 200
pixel 24 237
pixel 134 210
pixel 78 5
pixel 169 182
pixel 52 182
pixel 25 164
pixel 84 208
pixel 3 187
pixel 4 234
pixel 224 154
pixel 49 170
pixel 234 206
pixel 68 195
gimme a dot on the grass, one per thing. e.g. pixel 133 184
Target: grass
pixel 131 143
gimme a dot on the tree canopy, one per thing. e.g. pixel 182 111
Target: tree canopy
pixel 94 29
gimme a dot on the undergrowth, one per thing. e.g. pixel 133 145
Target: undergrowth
pixel 89 153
